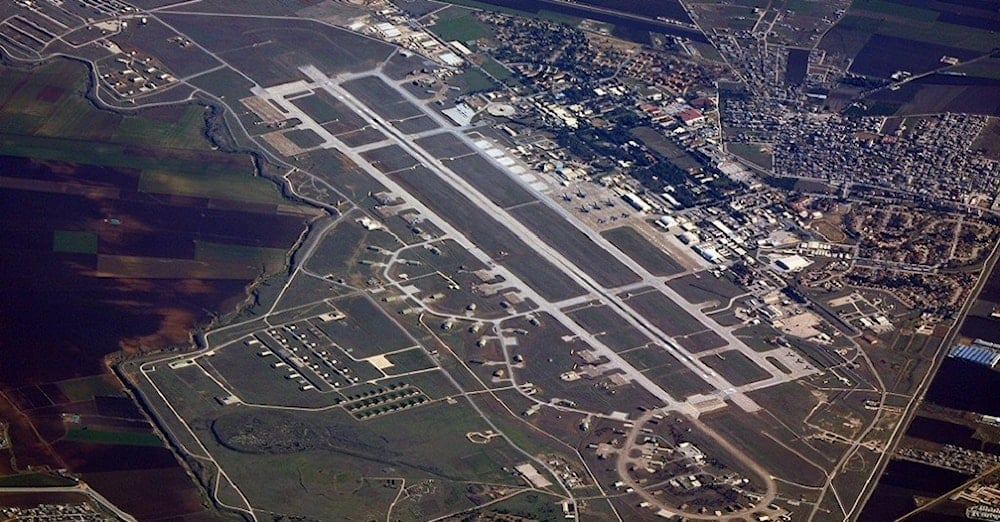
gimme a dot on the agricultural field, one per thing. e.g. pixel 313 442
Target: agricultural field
pixel 882 36
pixel 138 223
pixel 885 55
pixel 938 93
pixel 74 242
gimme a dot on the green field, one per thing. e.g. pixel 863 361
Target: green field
pixel 183 132
pixel 895 9
pixel 543 14
pixel 463 28
pixel 920 30
pixel 408 361
pixel 239 187
pixel 496 70
pixel 753 153
pixel 44 115
pixel 86 388
pixel 74 242
pixel 476 81
pixel 268 259
pixel 34 480
pixel 126 438
pixel 531 505
pixel 49 101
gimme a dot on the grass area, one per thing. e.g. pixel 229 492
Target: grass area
pixel 86 388
pixel 756 336
pixel 239 187
pixel 532 505
pixel 496 70
pixel 37 480
pixel 931 32
pixel 75 149
pixel 989 68
pixel 989 140
pixel 706 51
pixel 475 81
pixel 640 249
pixel 271 259
pixel 561 18
pixel 126 438
pixel 408 361
pixel 44 115
pixel 753 153
pixel 894 9
pixel 49 101
pixel 657 141
pixel 184 132
pixel 74 242
pixel 665 314
pixel 608 326
pixel 543 14
pixel 704 287
pixel 735 367
pixel 463 28
pixel 171 268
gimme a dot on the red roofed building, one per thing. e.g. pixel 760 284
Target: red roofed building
pixel 690 116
